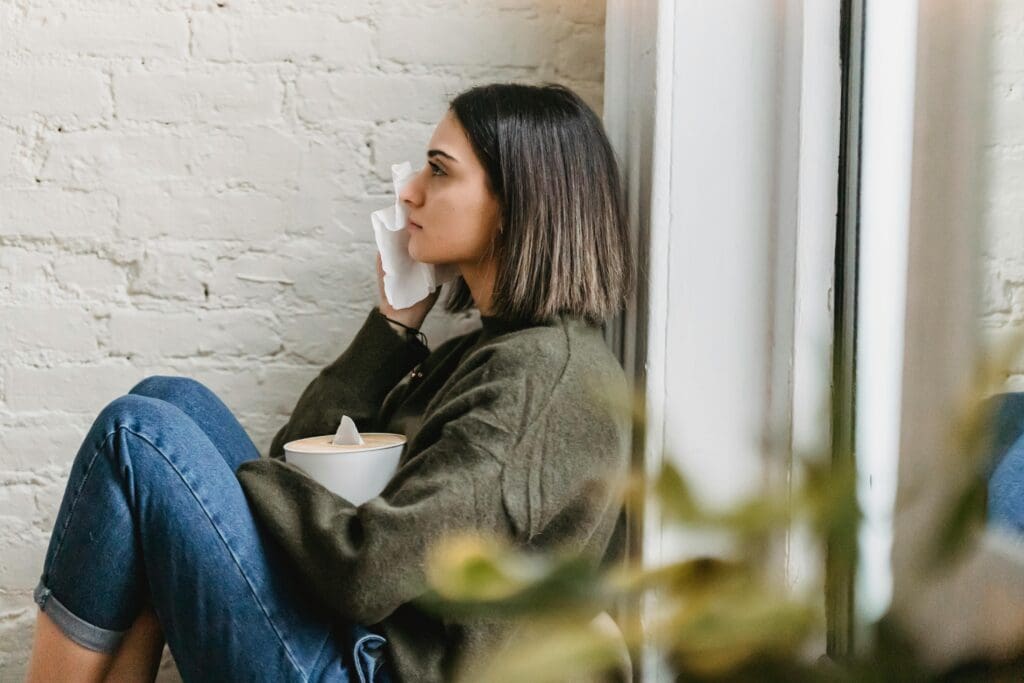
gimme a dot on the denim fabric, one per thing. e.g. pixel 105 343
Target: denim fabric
pixel 153 515
pixel 1006 482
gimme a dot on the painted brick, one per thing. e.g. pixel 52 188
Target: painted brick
pixel 8 150
pixel 376 97
pixel 262 428
pixel 29 329
pixel 583 12
pixel 1006 179
pixel 90 275
pixel 328 280
pixel 283 37
pixel 397 142
pixel 1006 109
pixel 354 224
pixel 49 440
pixel 583 56
pixel 200 333
pixel 250 278
pixel 54 92
pixel 334 165
pixel 170 272
pixel 16 629
pixel 17 501
pixel 320 337
pixel 269 390
pixel 995 294
pixel 222 97
pixel 468 41
pixel 262 156
pixel 1006 51
pixel 1004 233
pixel 104 157
pixel 253 155
pixel 21 562
pixel 302 272
pixel 72 388
pixel 56 213
pixel 245 216
pixel 127 32
pixel 22 268
pixel 187 189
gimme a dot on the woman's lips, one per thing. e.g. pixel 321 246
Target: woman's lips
pixel 413 226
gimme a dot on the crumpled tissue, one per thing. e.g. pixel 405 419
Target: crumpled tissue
pixel 347 433
pixel 406 280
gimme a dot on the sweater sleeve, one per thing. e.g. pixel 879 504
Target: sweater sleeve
pixel 364 562
pixel 356 383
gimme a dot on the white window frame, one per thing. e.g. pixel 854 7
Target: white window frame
pixel 661 101
pixel 732 185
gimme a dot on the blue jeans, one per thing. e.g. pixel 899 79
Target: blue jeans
pixel 153 516
pixel 1006 481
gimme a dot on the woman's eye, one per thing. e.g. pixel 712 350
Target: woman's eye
pixel 436 168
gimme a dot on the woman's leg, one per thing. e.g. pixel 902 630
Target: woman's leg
pixel 153 509
pixel 206 410
pixel 55 657
pixel 138 656
pixel 1006 484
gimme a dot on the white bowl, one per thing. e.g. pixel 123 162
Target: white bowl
pixel 356 473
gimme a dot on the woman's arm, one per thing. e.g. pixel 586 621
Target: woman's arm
pixel 357 382
pixel 516 444
pixel 354 384
pixel 364 562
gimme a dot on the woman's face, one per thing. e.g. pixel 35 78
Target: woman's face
pixel 452 213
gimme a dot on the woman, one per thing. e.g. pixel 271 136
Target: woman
pixel 1004 464
pixel 173 526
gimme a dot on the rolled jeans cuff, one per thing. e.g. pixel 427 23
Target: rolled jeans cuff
pixel 78 630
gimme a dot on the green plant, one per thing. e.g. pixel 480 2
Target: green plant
pixel 716 618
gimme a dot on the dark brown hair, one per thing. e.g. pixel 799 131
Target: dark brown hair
pixel 563 241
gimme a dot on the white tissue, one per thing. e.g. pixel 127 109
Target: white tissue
pixel 406 280
pixel 347 433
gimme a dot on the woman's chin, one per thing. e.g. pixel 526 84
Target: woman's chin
pixel 425 256
pixel 418 255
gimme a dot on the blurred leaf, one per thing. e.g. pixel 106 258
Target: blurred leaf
pixel 472 575
pixel 830 497
pixel 827 497
pixel 625 402
pixel 966 515
pixel 473 566
pixel 551 650
pixel 722 632
pixel 684 577
pixel 973 437
pixel 716 618
pixel 754 515
pixel 674 495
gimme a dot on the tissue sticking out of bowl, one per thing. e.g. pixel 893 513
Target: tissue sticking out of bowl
pixel 347 433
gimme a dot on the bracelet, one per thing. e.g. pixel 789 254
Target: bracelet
pixel 409 331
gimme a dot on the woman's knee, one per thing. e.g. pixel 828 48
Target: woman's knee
pixel 167 387
pixel 131 411
pixel 1006 426
pixel 152 425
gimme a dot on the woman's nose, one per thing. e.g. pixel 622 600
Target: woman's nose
pixel 411 194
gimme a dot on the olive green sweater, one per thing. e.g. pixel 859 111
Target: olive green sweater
pixel 508 434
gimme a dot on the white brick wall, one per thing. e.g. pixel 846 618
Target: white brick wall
pixel 185 188
pixel 1002 306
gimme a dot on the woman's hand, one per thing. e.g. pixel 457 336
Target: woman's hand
pixel 412 316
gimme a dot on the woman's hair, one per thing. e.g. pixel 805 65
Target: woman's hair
pixel 562 244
